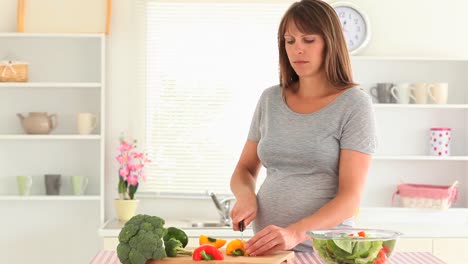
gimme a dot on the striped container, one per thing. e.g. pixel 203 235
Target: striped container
pixel 427 196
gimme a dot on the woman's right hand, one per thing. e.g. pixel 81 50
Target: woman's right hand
pixel 244 209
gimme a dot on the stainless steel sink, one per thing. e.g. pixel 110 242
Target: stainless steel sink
pixel 208 224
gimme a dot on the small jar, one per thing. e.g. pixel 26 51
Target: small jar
pixel 440 139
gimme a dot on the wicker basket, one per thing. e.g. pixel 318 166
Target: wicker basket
pixel 427 196
pixel 13 71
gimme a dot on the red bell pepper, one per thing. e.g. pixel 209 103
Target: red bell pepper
pixel 382 257
pixel 207 252
pixel 386 249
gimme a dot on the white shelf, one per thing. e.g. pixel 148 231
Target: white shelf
pixel 50 85
pixel 35 137
pixel 419 157
pixel 51 35
pixel 422 106
pixel 50 198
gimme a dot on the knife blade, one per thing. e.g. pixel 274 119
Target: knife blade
pixel 242 228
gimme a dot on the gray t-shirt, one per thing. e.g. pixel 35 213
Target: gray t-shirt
pixel 301 153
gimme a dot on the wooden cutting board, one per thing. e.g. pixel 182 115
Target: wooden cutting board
pixel 275 258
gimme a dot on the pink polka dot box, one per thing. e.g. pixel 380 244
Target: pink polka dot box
pixel 427 196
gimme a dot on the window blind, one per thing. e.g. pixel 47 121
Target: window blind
pixel 207 64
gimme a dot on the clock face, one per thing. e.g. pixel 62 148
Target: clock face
pixel 354 27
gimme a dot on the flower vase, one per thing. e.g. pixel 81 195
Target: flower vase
pixel 125 209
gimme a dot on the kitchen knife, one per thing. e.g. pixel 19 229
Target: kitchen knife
pixel 242 228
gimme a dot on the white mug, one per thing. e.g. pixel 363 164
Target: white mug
pixel 438 92
pixel 419 91
pixel 402 93
pixel 86 123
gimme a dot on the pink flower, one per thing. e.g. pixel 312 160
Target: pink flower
pixel 131 167
pixel 123 172
pixel 137 155
pixel 122 159
pixel 132 180
pixel 124 146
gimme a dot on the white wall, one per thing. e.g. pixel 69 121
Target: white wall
pixel 433 28
pixel 35 232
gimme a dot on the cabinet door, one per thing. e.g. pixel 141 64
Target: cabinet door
pixel 110 243
pixel 451 250
pixel 414 245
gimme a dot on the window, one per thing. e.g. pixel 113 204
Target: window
pixel 207 64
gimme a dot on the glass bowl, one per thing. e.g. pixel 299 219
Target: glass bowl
pixel 354 245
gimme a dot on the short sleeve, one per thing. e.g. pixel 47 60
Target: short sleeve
pixel 254 132
pixel 359 131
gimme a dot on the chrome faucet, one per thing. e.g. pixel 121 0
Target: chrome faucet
pixel 223 206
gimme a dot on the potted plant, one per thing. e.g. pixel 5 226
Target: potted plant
pixel 131 171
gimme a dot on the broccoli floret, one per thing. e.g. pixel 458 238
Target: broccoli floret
pixel 136 257
pixel 128 232
pixel 141 240
pixel 141 218
pixel 122 251
pixel 178 234
pixel 174 247
pixel 159 253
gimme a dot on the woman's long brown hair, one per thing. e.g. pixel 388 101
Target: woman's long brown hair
pixel 316 17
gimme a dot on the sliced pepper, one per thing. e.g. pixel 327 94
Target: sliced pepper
pixel 207 252
pixel 216 242
pixel 236 248
pixel 382 257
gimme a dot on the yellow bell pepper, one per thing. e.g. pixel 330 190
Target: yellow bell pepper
pixel 215 242
pixel 236 248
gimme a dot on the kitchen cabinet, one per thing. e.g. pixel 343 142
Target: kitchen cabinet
pixel 403 138
pixel 451 250
pixel 414 245
pixel 66 77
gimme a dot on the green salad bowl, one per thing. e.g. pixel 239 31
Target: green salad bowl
pixel 354 245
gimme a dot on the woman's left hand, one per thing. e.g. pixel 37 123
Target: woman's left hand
pixel 273 238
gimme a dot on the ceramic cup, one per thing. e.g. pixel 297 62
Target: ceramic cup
pixel 24 184
pixel 438 92
pixel 439 141
pixel 402 93
pixel 53 183
pixel 420 91
pixel 86 123
pixel 382 93
pixel 79 184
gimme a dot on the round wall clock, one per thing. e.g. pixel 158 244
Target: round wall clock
pixel 355 23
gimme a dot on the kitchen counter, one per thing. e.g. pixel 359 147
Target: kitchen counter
pixel 112 229
pixel 417 223
pixel 110 257
pixel 410 230
pixel 422 230
pixel 446 241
